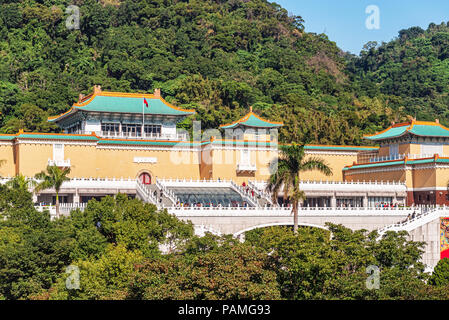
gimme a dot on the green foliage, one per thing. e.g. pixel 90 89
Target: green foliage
pixel 440 275
pixel 218 57
pixel 315 265
pixel 53 177
pixel 413 68
pixel 136 225
pixel 102 278
pixel 238 272
pixel 33 249
pixel 116 245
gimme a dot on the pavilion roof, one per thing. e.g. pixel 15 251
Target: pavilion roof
pixel 252 120
pixel 120 102
pixel 417 128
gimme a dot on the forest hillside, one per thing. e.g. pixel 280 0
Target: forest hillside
pixel 218 57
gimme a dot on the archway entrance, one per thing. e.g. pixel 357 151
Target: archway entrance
pixel 145 178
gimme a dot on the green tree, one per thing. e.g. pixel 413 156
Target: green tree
pixel 291 163
pixel 53 177
pixel 20 182
pixel 238 272
pixel 440 275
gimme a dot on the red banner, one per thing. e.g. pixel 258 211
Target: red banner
pixel 444 238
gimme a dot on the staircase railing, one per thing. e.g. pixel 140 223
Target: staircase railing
pixel 145 193
pixel 263 194
pixel 167 192
pixel 239 189
pixel 425 215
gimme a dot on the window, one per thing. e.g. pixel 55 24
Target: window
pixel 132 130
pixel 58 152
pixel 110 127
pixel 394 149
pixel 76 128
pixel 431 149
pixel 152 129
pixel 62 199
pixel 244 157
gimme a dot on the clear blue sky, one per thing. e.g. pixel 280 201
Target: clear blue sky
pixel 343 21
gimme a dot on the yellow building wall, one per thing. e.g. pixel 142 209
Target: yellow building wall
pixel 335 161
pixel 225 161
pixel 33 158
pixel 90 161
pixel 446 149
pixel 442 177
pixel 415 148
pixel 404 148
pixel 399 175
pixel 423 178
pixel 102 161
pixel 95 162
pixel 8 167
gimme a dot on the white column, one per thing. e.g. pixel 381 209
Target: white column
pixel 334 201
pixel 76 197
pixel 365 200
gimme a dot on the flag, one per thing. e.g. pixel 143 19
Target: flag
pixel 145 102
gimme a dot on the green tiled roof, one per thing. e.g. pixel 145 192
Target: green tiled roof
pixel 252 120
pixel 419 128
pixel 125 103
pixel 57 136
pixel 7 137
pixel 373 165
pixel 398 162
pixel 432 130
pixel 340 148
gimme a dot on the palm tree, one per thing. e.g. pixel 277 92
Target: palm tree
pixel 20 182
pixel 290 163
pixel 52 178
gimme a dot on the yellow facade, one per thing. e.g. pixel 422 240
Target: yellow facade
pixel 336 161
pixel 191 161
pixel 380 175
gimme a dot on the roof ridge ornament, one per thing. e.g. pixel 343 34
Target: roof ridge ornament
pixel 97 89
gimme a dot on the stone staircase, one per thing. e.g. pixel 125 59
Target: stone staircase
pixel 151 193
pixel 423 217
pixel 263 198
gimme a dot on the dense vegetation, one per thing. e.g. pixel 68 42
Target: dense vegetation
pixel 125 249
pixel 216 56
pixel 414 68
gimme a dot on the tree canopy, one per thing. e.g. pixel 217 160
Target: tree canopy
pixel 217 57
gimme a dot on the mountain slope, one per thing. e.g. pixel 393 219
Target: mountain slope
pixel 216 56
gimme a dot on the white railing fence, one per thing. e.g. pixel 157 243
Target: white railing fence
pixel 139 135
pixel 418 217
pixel 403 156
pixel 261 192
pixel 145 193
pixel 167 192
pixel 244 193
